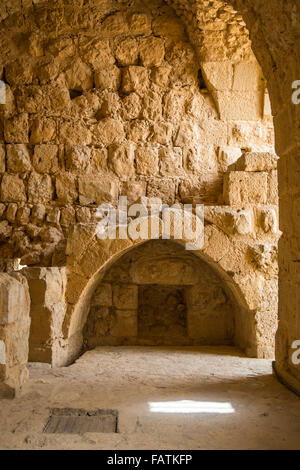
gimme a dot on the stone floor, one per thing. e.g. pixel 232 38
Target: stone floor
pixel 167 398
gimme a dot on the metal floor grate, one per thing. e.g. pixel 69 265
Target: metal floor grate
pixel 79 421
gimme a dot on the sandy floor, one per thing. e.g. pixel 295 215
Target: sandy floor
pixel 230 402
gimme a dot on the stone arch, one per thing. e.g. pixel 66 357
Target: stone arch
pixel 90 257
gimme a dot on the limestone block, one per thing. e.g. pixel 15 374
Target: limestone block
pixel 218 75
pixel 265 257
pixel 95 51
pixel 171 161
pixel 245 188
pixel 42 130
pixel 66 187
pixel 79 76
pixel 18 73
pixel 47 292
pixel 135 78
pixel 18 158
pixel 162 132
pixel 75 133
pixel 127 52
pixel 167 25
pixel 16 129
pixel 77 157
pixel 38 213
pixel 131 106
pixel 67 216
pixel 40 188
pixel 164 189
pixel 146 161
pixel 247 76
pixel 121 160
pixel 152 51
pixel 140 24
pixel 2 158
pixel 257 161
pixel 115 25
pixel 12 189
pixel 45 158
pixel 11 212
pixel 246 106
pixel 125 296
pixel 168 271
pixel 227 156
pixel 23 215
pixel 230 220
pixel 83 215
pixel 108 78
pixel 152 107
pixel 5 230
pixel 14 333
pixel 97 191
pixel 268 220
pixel 108 131
pixel 133 190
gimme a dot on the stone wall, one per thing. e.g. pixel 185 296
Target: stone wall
pixel 117 102
pixel 160 294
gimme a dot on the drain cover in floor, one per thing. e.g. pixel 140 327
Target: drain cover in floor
pixel 78 421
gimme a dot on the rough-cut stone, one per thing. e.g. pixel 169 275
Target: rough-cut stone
pixel 18 158
pixel 257 161
pixel 14 333
pixel 97 191
pixel 12 189
pixel 45 158
pixel 40 188
pixel 47 292
pixel 146 161
pixel 245 188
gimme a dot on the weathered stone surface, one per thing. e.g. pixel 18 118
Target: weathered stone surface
pixel 40 188
pixel 14 333
pixel 12 189
pixel 66 187
pixel 97 191
pixel 146 161
pixel 45 158
pixel 18 158
pixel 245 188
pixel 47 292
pixel 257 161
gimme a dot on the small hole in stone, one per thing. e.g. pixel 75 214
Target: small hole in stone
pixel 75 94
pixel 201 81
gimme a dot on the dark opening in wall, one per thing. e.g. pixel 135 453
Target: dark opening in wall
pixel 201 81
pixel 75 93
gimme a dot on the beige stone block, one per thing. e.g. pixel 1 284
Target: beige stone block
pixel 171 161
pixel 79 76
pixel 77 158
pixel 245 188
pixel 12 189
pixel 121 160
pixel 127 52
pixel 273 187
pixel 108 131
pixel 97 190
pixel 18 73
pixel 133 190
pixel 43 130
pixel 218 75
pixel 162 132
pixel 83 215
pixel 11 212
pixel 247 77
pixel 135 78
pixel 2 158
pixel 235 105
pixel 75 133
pixel 23 215
pixel 108 78
pixel 45 158
pixel 40 188
pixel 66 187
pixel 257 161
pixel 146 161
pixel 152 51
pixel 131 106
pixel 16 129
pixel 114 25
pixel 67 216
pixel 18 158
pixel 5 230
pixel 140 23
pixel 162 188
